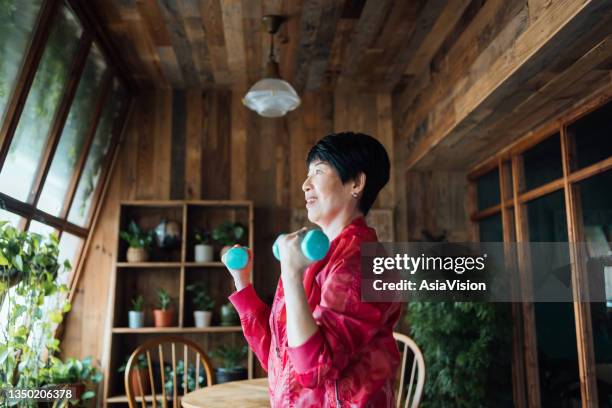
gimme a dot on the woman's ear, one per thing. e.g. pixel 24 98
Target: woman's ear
pixel 359 183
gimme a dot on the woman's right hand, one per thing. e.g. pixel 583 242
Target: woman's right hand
pixel 242 277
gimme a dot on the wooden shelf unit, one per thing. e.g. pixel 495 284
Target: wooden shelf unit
pixel 173 270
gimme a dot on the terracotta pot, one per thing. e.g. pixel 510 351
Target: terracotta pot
pixel 144 378
pixel 163 318
pixel 137 255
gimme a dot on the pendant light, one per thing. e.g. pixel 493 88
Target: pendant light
pixel 271 97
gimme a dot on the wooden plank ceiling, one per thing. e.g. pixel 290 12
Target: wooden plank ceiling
pixel 221 43
pixel 467 76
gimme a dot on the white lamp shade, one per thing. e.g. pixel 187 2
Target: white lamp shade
pixel 271 98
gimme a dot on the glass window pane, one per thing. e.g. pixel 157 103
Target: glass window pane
pixel 69 249
pixel 73 135
pixel 12 218
pixel 491 229
pixel 40 228
pixel 555 324
pixel 97 156
pixel 487 189
pixel 543 162
pixel 32 132
pixel 17 20
pixel 592 137
pixel 596 203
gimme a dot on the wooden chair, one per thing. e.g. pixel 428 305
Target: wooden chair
pixel 417 373
pixel 157 346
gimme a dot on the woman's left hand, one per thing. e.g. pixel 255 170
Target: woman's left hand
pixel 293 262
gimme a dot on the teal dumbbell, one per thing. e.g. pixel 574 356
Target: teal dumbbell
pixel 236 258
pixel 315 245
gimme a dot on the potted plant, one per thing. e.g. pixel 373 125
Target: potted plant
pixel 203 250
pixel 163 315
pixel 138 242
pixel 80 376
pixel 229 315
pixel 136 314
pixel 203 305
pixel 230 359
pixel 228 234
pixel 140 368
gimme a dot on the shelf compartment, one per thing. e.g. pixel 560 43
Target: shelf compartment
pixel 149 264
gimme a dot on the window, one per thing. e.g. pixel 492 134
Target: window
pixel 72 140
pixel 32 134
pixel 17 19
pixel 61 128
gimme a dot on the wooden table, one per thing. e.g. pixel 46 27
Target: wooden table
pixel 243 394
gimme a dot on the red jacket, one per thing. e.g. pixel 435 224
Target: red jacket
pixel 351 361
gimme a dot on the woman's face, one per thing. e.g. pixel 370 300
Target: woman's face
pixel 325 195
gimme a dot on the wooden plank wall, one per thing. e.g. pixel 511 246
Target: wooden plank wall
pixel 206 145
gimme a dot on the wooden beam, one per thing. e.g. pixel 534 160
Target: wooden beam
pixel 435 21
pixel 30 213
pixel 55 133
pixel 530 345
pixel 519 393
pixel 561 25
pixel 580 280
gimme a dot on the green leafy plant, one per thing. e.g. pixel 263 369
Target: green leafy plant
pixel 137 303
pixel 191 377
pixel 135 237
pixel 73 371
pixel 201 299
pixel 466 347
pixel 230 357
pixel 29 288
pixel 202 237
pixel 229 233
pixel 164 299
pixel 141 363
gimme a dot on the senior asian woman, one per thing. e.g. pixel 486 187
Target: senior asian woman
pixel 320 344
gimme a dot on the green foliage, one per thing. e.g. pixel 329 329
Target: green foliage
pixel 73 371
pixel 141 363
pixel 135 237
pixel 137 303
pixel 164 299
pixel 229 233
pixel 201 300
pixel 191 377
pixel 463 344
pixel 230 357
pixel 28 271
pixel 203 237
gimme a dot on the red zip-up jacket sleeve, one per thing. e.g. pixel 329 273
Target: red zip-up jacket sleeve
pixel 346 326
pixel 254 315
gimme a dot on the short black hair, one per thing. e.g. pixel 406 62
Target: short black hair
pixel 353 153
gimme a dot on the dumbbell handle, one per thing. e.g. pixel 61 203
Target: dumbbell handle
pixel 315 245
